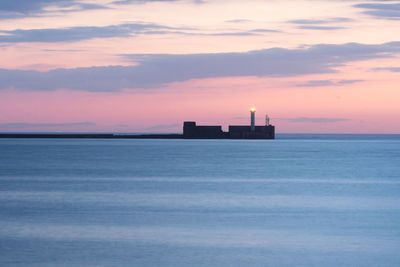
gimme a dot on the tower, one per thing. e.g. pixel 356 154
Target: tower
pixel 252 119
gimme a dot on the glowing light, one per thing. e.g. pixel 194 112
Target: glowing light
pixel 253 110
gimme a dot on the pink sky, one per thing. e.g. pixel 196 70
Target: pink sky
pixel 102 66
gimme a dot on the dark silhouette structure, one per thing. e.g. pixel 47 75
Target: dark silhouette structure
pixel 192 131
pixel 244 132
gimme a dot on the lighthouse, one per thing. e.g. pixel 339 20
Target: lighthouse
pixel 253 119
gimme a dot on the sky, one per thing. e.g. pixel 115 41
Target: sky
pixel 314 66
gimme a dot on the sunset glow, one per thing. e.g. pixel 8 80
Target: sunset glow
pixel 146 66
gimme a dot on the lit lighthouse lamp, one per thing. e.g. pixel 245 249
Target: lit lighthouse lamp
pixel 253 119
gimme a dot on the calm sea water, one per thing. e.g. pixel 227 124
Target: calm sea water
pixel 301 200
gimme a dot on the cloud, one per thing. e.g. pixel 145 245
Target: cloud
pixel 343 82
pixel 23 8
pixel 77 33
pixel 385 11
pixel 316 83
pixel 320 28
pixel 127 2
pixel 313 120
pixel 320 24
pixel 320 21
pixel 111 31
pixel 196 33
pixel 392 69
pixel 263 30
pixel 319 83
pixel 158 70
pixel 23 125
pixel 238 21
pixel 245 33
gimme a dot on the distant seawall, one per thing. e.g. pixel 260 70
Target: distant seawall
pixel 91 136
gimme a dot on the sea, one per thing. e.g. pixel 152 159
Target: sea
pixel 297 201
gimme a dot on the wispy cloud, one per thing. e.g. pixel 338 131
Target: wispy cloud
pixel 381 10
pixel 320 24
pixel 23 8
pixel 316 83
pixel 127 30
pixel 240 33
pixel 392 69
pixel 263 30
pixel 23 125
pixel 127 2
pixel 319 83
pixel 320 21
pixel 238 21
pixel 344 82
pixel 320 28
pixel 78 33
pixel 158 70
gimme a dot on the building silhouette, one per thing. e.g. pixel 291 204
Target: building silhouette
pixel 193 131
